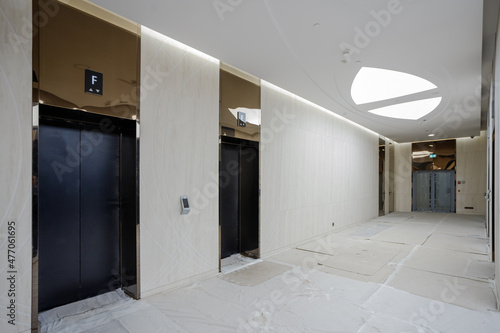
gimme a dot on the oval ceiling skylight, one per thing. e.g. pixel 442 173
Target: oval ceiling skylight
pixel 377 84
pixel 410 111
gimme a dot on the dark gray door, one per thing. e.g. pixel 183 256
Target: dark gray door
pixel 434 191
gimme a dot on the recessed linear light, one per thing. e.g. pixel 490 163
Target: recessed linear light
pixel 409 111
pixel 431 134
pixel 377 84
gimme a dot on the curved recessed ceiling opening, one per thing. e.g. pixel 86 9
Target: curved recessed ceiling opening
pixel 377 85
pixel 409 111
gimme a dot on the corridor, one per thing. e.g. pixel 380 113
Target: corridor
pixel 404 272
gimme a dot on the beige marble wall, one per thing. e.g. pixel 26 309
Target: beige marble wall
pixel 402 177
pixel 178 156
pixel 471 167
pixel 15 159
pixel 496 157
pixel 316 169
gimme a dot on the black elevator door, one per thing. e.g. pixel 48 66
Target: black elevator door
pixel 239 197
pixel 249 198
pixel 79 199
pixel 229 197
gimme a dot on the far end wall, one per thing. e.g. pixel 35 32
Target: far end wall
pixel 470 167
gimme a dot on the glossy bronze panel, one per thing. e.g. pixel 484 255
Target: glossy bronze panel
pixel 434 155
pixel 238 94
pixel 72 41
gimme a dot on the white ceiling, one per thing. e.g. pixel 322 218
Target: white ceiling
pixel 298 45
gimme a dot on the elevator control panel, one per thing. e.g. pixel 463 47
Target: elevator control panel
pixel 185 208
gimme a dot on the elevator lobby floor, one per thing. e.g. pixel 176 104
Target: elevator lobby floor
pixel 404 272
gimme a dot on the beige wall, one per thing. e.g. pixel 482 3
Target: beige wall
pixel 316 169
pixel 496 156
pixel 15 158
pixel 402 177
pixel 179 148
pixel 471 168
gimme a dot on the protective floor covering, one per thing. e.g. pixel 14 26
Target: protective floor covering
pixel 412 284
pixel 235 262
pixel 252 275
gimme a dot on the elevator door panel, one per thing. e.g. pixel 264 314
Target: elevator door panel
pixel 128 209
pixel 249 199
pixel 445 189
pixel 422 190
pixel 100 202
pixel 228 203
pixel 59 214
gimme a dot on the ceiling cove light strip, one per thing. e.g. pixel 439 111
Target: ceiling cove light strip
pixel 177 44
pixel 306 101
pixel 409 111
pixel 377 84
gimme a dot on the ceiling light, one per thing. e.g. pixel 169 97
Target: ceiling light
pixel 421 154
pixel 377 84
pixel 432 134
pixel 410 110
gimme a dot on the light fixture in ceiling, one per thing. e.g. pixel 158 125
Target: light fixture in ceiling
pixel 377 84
pixel 409 111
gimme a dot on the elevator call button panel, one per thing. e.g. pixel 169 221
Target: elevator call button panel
pixel 185 208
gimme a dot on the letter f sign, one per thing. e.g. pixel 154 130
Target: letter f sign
pixel 93 82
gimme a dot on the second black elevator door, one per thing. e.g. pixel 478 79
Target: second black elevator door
pixel 79 203
pixel 229 199
pixel 239 197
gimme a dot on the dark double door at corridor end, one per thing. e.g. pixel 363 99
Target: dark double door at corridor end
pixel 434 191
pixel 239 196
pixel 87 205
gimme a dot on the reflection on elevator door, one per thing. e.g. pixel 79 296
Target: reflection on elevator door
pixel 239 196
pixel 80 169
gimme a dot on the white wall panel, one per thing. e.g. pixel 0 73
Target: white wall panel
pixel 316 169
pixel 15 160
pixel 471 168
pixel 179 156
